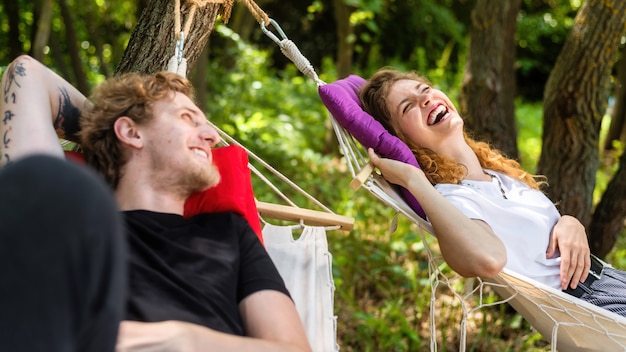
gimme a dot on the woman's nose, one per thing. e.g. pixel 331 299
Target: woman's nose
pixel 424 99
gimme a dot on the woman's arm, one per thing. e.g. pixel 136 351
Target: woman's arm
pixel 37 108
pixel 469 246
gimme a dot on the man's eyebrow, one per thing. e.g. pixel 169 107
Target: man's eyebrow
pixel 192 109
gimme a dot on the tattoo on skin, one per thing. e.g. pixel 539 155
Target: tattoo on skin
pixel 8 116
pixel 68 113
pixel 13 72
pixel 6 140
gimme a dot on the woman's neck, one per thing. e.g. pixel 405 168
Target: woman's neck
pixel 465 156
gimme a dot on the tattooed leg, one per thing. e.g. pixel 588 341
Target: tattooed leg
pixel 37 107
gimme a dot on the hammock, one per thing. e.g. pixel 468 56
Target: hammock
pixel 570 324
pixel 304 263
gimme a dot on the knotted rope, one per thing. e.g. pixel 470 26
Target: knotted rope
pixel 178 63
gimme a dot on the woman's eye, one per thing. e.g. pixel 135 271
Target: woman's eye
pixel 407 107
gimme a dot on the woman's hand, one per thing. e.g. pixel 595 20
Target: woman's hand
pixel 457 234
pixel 569 236
pixel 394 171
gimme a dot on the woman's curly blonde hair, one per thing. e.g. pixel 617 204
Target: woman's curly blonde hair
pixel 438 168
pixel 131 95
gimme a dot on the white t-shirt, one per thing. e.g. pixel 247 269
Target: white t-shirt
pixel 523 221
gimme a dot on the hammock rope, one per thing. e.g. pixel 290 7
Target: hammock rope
pixel 227 139
pixel 566 314
pixel 291 51
pixel 178 63
pixel 577 320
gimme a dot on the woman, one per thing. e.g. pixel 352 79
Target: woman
pixel 487 212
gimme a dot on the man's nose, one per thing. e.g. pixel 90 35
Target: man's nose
pixel 210 134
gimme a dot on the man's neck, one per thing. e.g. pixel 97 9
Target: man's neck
pixel 143 195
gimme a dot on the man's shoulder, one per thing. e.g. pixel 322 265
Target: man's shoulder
pixel 226 218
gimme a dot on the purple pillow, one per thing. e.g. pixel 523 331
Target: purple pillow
pixel 341 98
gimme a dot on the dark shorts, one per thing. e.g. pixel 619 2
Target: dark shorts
pixel 604 287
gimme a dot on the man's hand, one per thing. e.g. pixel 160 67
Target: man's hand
pixel 569 236
pixel 148 337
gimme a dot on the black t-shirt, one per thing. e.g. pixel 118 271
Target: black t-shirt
pixel 195 270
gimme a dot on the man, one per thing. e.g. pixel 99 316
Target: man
pixel 205 283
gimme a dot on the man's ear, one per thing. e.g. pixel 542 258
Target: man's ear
pixel 127 133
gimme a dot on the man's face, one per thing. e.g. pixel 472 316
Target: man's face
pixel 179 141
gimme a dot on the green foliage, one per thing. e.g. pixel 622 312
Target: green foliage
pixel 416 33
pixel 278 115
pixel 542 28
pixel 383 292
pixel 529 117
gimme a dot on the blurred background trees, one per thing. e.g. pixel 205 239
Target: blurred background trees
pixel 543 80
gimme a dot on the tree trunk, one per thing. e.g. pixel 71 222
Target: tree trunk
pixel 575 100
pixel 73 49
pixel 92 22
pixel 12 11
pixel 617 130
pixel 44 25
pixel 153 40
pixel 345 45
pixel 242 22
pixel 57 56
pixel 608 218
pixel 199 78
pixel 488 90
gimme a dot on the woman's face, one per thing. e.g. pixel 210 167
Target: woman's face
pixel 425 115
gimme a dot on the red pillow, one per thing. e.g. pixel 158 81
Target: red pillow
pixel 233 193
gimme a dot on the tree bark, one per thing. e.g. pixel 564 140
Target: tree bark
pixel 617 130
pixel 153 40
pixel 44 25
pixel 13 14
pixel 575 100
pixel 488 89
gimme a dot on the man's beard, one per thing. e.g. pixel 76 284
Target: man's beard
pixel 192 179
pixel 201 178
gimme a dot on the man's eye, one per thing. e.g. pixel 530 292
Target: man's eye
pixel 190 119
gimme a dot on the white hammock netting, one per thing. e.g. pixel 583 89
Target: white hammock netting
pixel 568 323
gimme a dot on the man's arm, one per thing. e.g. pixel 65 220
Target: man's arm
pixel 37 106
pixel 270 319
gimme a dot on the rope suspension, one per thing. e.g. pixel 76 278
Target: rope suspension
pixel 178 63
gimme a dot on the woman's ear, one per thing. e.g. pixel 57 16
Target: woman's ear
pixel 127 132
